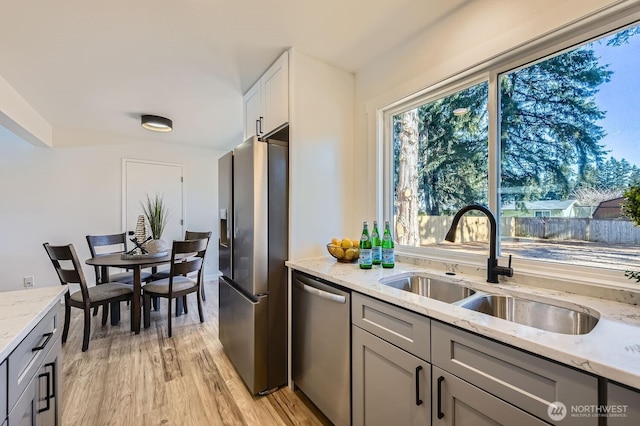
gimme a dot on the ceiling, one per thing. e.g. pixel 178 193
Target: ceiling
pixel 98 65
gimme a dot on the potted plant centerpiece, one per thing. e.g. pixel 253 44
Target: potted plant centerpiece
pixel 157 215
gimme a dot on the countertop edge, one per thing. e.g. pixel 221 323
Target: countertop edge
pixel 15 325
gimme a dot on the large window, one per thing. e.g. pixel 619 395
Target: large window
pixel 440 162
pixel 564 149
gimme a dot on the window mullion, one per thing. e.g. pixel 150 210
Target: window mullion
pixel 493 109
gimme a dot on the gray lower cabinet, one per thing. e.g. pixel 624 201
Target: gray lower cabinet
pixel 533 384
pixel 390 386
pixel 33 375
pixel 623 405
pixel 456 402
pixel 391 375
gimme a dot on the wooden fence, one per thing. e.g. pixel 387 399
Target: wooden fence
pixel 472 228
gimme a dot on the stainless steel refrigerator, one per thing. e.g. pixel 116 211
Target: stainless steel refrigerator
pixel 253 218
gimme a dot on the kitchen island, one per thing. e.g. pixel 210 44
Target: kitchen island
pixel 30 361
pixel 610 353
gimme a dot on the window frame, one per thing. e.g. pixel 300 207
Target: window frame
pixel 572 35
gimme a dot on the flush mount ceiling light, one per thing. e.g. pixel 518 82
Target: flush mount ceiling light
pixel 156 123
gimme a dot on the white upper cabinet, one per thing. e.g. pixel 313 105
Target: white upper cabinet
pixel 266 104
pixel 252 102
pixel 275 94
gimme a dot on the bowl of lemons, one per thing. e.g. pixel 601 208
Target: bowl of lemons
pixel 344 250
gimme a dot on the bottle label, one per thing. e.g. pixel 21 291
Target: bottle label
pixel 365 258
pixel 376 254
pixel 388 256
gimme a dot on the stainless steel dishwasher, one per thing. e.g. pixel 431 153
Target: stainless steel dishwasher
pixel 321 345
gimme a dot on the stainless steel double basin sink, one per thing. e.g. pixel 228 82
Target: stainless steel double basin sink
pixel 536 314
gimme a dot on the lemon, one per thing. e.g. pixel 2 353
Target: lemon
pixel 346 243
pixel 338 252
pixel 350 254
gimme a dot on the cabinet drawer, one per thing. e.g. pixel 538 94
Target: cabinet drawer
pixel 26 359
pixel 524 380
pixel 3 390
pixel 405 329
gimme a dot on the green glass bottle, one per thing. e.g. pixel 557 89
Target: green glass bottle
pixel 376 248
pixel 365 260
pixel 388 252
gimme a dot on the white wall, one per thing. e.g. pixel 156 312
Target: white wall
pixel 61 194
pixel 475 33
pixel 321 155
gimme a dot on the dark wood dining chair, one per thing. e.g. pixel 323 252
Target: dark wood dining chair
pixel 108 244
pixel 69 270
pixel 186 257
pixel 188 235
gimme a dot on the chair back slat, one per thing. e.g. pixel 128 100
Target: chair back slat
pixel 187 266
pixel 106 240
pixel 69 276
pixel 193 235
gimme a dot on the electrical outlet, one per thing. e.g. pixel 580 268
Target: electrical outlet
pixel 28 282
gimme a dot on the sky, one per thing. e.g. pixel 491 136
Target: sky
pixel 620 98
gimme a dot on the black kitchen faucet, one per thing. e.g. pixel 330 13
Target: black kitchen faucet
pixel 493 270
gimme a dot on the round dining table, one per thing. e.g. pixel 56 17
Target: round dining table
pixel 136 264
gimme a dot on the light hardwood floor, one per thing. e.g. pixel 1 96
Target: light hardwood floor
pixel 150 379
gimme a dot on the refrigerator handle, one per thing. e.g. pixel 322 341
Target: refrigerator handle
pixel 249 298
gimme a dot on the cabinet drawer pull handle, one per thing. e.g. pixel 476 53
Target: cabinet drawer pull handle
pixel 48 397
pixel 418 400
pixel 261 118
pixel 257 128
pixel 440 413
pixel 44 344
pixel 52 365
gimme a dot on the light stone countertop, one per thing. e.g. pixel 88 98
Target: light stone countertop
pixel 20 312
pixel 610 350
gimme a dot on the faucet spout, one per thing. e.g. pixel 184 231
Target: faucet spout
pixel 493 270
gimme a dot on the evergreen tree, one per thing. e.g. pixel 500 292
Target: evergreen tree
pixel 453 151
pixel 548 122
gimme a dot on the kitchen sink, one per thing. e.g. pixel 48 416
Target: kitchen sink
pixel 428 286
pixel 539 315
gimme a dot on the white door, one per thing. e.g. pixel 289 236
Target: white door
pixel 142 178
